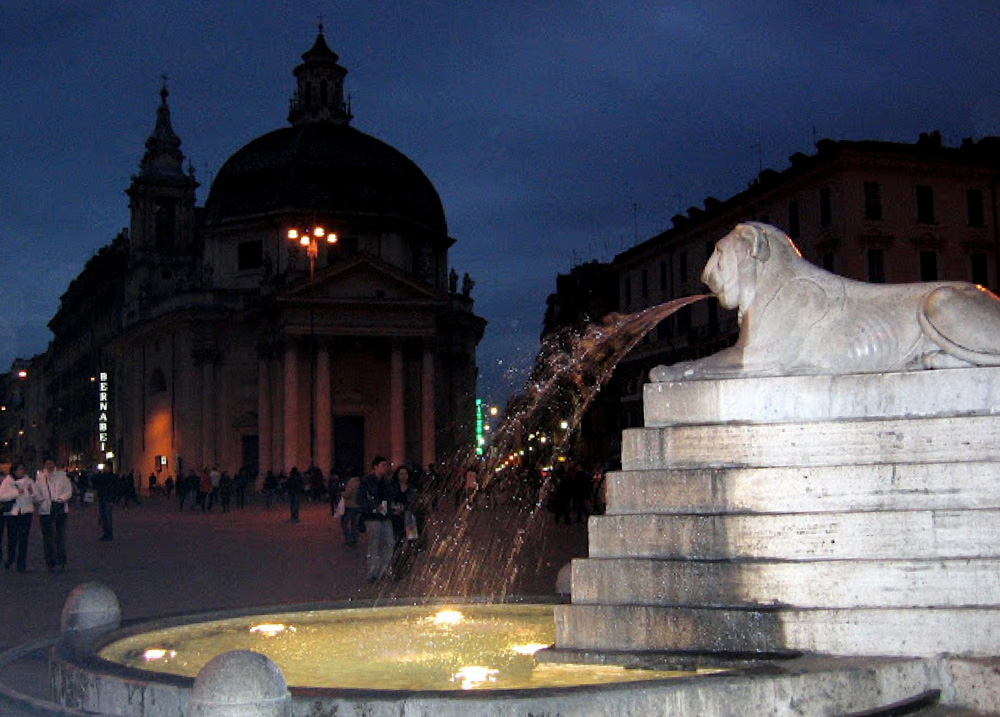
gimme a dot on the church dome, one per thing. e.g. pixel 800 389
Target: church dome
pixel 323 167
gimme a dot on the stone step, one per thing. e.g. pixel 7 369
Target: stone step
pixel 841 443
pixel 907 535
pixel 887 632
pixel 906 486
pixel 950 392
pixel 826 584
pixel 973 683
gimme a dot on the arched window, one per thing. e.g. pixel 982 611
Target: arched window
pixel 322 93
pixel 157 381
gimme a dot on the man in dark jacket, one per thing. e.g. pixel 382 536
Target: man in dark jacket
pixel 106 485
pixel 375 496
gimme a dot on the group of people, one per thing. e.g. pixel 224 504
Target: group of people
pixel 48 494
pixel 388 507
pixel 203 491
pixel 576 492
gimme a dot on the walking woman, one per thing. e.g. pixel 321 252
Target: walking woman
pixel 17 494
pixel 53 491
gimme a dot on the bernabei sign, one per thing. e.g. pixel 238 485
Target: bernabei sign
pixel 103 383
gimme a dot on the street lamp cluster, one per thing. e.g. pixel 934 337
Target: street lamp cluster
pixel 311 238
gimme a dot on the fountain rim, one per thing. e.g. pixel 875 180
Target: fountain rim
pixel 81 650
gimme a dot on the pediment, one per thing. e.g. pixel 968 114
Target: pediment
pixel 362 278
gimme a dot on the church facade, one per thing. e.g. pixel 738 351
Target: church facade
pixel 227 343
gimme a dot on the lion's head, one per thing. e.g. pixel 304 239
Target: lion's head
pixel 732 271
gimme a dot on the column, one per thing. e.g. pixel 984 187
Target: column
pixel 397 430
pixel 324 428
pixel 264 427
pixel 209 435
pixel 277 416
pixel 291 428
pixel 428 435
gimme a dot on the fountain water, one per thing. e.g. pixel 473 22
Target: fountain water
pixel 479 551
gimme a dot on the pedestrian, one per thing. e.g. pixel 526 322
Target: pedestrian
pixel 204 489
pixel 269 488
pixel 351 519
pixel 334 488
pixel 294 487
pixel 240 487
pixel 403 511
pixel 128 492
pixel 225 490
pixel 53 492
pixel 215 478
pixel 168 486
pixel 106 485
pixel 375 496
pixel 17 494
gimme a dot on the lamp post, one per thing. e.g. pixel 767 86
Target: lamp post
pixel 310 239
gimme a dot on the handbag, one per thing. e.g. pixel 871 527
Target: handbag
pixel 410 526
pixel 56 507
pixel 6 506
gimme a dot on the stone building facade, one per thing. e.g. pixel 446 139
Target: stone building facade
pixel 224 343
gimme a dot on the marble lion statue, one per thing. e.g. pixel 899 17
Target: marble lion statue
pixel 796 318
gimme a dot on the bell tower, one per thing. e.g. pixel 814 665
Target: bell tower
pixel 162 238
pixel 319 96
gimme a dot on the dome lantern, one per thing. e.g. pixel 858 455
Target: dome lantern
pixel 319 95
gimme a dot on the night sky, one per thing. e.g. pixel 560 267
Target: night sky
pixel 555 132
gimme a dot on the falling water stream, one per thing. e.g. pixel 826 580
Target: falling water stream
pixel 477 541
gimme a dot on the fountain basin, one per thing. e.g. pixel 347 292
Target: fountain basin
pixel 84 677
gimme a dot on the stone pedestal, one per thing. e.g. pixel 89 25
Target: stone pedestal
pixel 848 515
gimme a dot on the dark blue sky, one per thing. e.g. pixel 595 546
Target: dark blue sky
pixel 542 124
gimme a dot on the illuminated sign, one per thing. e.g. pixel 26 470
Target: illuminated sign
pixel 480 438
pixel 103 391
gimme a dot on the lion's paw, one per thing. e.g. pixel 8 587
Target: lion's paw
pixel 674 372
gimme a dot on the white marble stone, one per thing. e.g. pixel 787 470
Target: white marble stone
pixel 91 606
pixel 901 535
pixel 808 489
pixel 945 392
pixel 808 584
pixel 886 632
pixel 814 443
pixel 854 514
